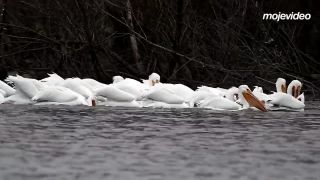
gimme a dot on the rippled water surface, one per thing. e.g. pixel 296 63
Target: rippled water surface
pixel 62 142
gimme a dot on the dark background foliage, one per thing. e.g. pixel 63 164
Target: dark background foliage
pixel 215 42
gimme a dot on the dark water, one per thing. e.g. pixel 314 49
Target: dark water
pixel 61 142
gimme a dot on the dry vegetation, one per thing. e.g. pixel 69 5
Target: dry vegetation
pixel 217 42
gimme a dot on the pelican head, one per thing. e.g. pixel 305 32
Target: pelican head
pixel 294 88
pixel 232 94
pixel 301 98
pixel 248 99
pixel 117 79
pixel 154 78
pixel 281 85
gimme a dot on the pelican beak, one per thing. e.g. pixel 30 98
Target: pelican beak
pixel 254 101
pixel 294 92
pixel 154 82
pixel 93 102
pixel 297 93
pixel 284 88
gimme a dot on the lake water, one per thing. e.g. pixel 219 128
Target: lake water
pixel 62 142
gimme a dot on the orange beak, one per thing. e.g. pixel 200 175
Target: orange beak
pixel 294 91
pixel 93 103
pixel 297 93
pixel 284 88
pixel 154 82
pixel 254 101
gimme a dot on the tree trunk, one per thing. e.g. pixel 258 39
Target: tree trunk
pixel 3 30
pixel 90 38
pixel 133 40
pixel 175 62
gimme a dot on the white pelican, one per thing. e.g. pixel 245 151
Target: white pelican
pixel 258 92
pixel 6 89
pixel 281 85
pixel 122 92
pixel 26 89
pixel 117 79
pixel 294 88
pixel 232 94
pixel 164 94
pixel 77 85
pixel 131 86
pixel 287 98
pixel 203 94
pixel 216 91
pixel 116 97
pixel 301 98
pixel 115 94
pixel 53 79
pixel 59 95
pixel 154 78
pixel 248 99
pixel 219 103
pixel 27 86
pixel 92 84
pixel 243 94
pixel 180 90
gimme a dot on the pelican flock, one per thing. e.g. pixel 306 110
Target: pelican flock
pixel 148 93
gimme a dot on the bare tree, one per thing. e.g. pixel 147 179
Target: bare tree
pixel 214 42
pixel 3 29
pixel 133 40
